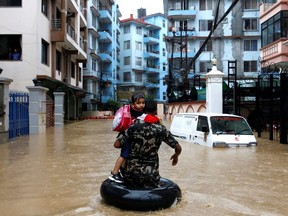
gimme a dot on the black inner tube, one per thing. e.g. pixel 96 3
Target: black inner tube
pixel 140 199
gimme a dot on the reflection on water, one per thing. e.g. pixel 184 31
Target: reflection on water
pixel 60 173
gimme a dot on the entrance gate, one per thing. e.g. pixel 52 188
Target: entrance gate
pixel 18 114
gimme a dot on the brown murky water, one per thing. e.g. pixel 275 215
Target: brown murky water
pixel 60 173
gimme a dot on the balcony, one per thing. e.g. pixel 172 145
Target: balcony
pixel 150 39
pixel 151 54
pixel 94 9
pixel 105 15
pixel 152 83
pixel 105 36
pixel 92 74
pixel 94 31
pixel 190 33
pixel 178 14
pixel 177 54
pixel 94 54
pixel 106 57
pixel 66 36
pixel 276 52
pixel 152 69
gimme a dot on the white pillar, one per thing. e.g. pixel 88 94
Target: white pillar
pixel 214 91
pixel 37 109
pixel 4 109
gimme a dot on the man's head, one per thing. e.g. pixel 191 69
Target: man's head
pixel 150 107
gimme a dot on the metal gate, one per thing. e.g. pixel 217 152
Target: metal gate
pixel 18 114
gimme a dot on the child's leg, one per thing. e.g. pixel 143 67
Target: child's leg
pixel 117 165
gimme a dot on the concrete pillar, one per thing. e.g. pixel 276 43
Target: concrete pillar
pixel 4 109
pixel 214 91
pixel 59 108
pixel 37 109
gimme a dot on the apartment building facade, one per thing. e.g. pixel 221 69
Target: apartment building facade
pixel 100 72
pixel 44 43
pixel 235 43
pixel 143 63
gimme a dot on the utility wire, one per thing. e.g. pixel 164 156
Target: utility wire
pixel 215 24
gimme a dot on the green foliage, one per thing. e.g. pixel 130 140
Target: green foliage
pixel 111 105
pixel 149 97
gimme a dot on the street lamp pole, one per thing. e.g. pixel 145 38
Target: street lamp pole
pixel 171 65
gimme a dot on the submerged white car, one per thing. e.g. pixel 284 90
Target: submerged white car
pixel 213 129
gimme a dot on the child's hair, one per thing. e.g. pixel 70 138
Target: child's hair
pixel 150 106
pixel 136 96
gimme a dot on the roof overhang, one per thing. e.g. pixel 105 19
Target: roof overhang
pixel 56 85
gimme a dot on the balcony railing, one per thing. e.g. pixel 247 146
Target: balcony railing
pixel 71 32
pixel 56 24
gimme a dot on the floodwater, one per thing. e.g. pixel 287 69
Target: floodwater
pixel 60 173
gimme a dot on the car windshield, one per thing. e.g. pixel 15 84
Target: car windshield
pixel 230 125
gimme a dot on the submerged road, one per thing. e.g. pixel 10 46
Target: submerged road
pixel 60 173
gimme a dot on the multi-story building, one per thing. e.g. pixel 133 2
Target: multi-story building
pixel 143 63
pixel 100 72
pixel 235 42
pixel 44 43
pixel 274 29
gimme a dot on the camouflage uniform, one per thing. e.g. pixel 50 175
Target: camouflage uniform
pixel 142 165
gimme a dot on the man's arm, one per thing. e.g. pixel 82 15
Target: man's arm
pixel 174 157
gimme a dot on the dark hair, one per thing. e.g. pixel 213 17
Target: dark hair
pixel 150 106
pixel 136 96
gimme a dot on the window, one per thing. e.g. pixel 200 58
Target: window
pixel 58 61
pixel 164 52
pixel 93 65
pixel 72 69
pixel 205 25
pixel 250 24
pixel 205 66
pixel 80 74
pixel 127 44
pixel 251 4
pixel 127 77
pixel 274 28
pixel 44 52
pixel 250 66
pixel 205 5
pixel 127 60
pixel 208 46
pixel 202 122
pixel 163 23
pixel 138 77
pixel 139 30
pixel 164 66
pixel 10 3
pixel 250 45
pixel 44 8
pixel 138 45
pixel 138 61
pixel 10 47
pixel 126 29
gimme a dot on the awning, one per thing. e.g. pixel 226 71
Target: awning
pixel 55 85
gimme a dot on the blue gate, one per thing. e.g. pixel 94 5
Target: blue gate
pixel 18 114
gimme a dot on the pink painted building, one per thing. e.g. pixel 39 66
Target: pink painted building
pixel 274 33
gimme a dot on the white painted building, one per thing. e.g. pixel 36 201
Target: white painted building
pixel 51 38
pixel 235 43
